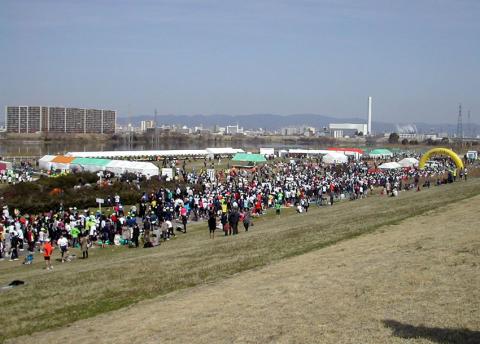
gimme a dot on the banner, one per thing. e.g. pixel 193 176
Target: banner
pixel 168 172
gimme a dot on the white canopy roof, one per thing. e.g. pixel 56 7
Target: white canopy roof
pixel 335 158
pixel 355 154
pixel 44 162
pixel 408 162
pixel 126 154
pixel 47 158
pixel 226 150
pixel 308 151
pixel 122 166
pixel 390 166
pixel 267 151
pixel 151 153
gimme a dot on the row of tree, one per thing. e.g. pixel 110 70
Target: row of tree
pixel 394 138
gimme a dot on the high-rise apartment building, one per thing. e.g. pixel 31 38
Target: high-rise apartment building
pixel 50 119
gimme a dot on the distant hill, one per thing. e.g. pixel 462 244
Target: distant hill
pixel 277 122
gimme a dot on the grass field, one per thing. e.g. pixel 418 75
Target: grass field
pixel 117 277
pixel 412 282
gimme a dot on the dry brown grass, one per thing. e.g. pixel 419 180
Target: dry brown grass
pixel 112 279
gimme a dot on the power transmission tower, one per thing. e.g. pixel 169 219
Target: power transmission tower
pixel 469 126
pixel 459 123
pixel 474 131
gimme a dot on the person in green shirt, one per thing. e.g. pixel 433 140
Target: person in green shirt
pixel 278 206
pixel 74 232
pixel 224 206
pixel 280 198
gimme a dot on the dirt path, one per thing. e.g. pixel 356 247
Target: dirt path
pixel 419 279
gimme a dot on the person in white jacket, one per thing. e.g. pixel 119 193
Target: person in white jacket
pixel 62 242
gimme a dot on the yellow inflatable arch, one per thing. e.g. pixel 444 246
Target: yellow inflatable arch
pixel 440 151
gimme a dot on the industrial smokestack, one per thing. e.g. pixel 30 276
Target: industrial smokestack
pixel 369 120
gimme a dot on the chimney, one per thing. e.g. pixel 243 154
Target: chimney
pixel 369 120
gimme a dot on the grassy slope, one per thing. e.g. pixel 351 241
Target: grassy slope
pixel 116 277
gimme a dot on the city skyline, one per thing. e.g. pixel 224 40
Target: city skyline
pixel 417 60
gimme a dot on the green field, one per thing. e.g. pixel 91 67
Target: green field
pixel 113 278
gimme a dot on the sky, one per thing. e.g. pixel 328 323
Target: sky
pixel 418 59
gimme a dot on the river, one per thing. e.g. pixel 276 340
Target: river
pixel 40 148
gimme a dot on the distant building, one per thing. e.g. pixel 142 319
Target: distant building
pixel 290 131
pixel 202 131
pixel 144 125
pixel 219 130
pixel 308 131
pixel 127 128
pixel 50 119
pixel 183 130
pixel 300 130
pixel 233 129
pixel 337 134
pixel 338 129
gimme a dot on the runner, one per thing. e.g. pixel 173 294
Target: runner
pixel 47 254
pixel 63 244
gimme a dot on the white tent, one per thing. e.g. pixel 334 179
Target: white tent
pixel 87 168
pixel 208 152
pixel 355 154
pixel 143 153
pixel 121 166
pixel 335 158
pixel 308 151
pixel 390 166
pixel 408 162
pixel 50 162
pixel 45 162
pixel 267 151
pixel 212 152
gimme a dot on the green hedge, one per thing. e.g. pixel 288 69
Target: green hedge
pixel 36 197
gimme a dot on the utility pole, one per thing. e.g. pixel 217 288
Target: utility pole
pixel 129 134
pixel 155 130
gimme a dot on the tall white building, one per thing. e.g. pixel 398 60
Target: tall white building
pixel 144 125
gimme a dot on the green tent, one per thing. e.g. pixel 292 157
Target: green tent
pixel 253 158
pixel 90 162
pixel 380 152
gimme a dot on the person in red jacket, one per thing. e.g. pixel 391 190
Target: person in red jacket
pixel 30 240
pixel 47 254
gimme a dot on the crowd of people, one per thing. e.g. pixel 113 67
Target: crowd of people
pixel 22 172
pixel 226 200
